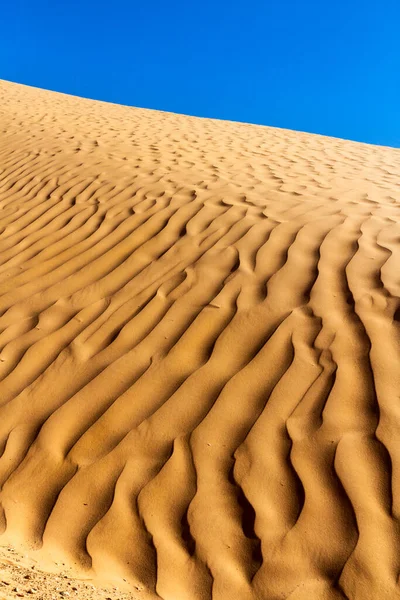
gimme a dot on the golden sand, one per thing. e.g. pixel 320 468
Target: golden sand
pixel 199 353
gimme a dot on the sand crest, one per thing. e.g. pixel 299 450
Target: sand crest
pixel 199 353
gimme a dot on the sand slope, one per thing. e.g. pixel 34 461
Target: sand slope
pixel 199 366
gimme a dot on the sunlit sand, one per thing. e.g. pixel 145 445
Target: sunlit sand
pixel 199 355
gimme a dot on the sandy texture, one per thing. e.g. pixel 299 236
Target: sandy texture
pixel 22 578
pixel 199 367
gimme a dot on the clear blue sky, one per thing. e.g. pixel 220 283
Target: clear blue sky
pixel 324 66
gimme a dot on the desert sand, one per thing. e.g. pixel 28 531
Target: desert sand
pixel 199 357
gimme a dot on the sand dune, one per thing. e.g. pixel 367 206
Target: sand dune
pixel 199 366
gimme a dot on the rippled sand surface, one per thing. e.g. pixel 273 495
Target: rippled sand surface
pixel 199 353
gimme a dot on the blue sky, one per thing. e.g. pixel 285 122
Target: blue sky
pixel 312 65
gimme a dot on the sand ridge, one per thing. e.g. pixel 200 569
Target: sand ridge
pixel 199 350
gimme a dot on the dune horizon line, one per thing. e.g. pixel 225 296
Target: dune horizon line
pixel 201 116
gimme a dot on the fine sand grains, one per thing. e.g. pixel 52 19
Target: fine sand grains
pixel 199 354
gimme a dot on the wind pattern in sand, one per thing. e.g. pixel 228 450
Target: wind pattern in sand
pixel 199 367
